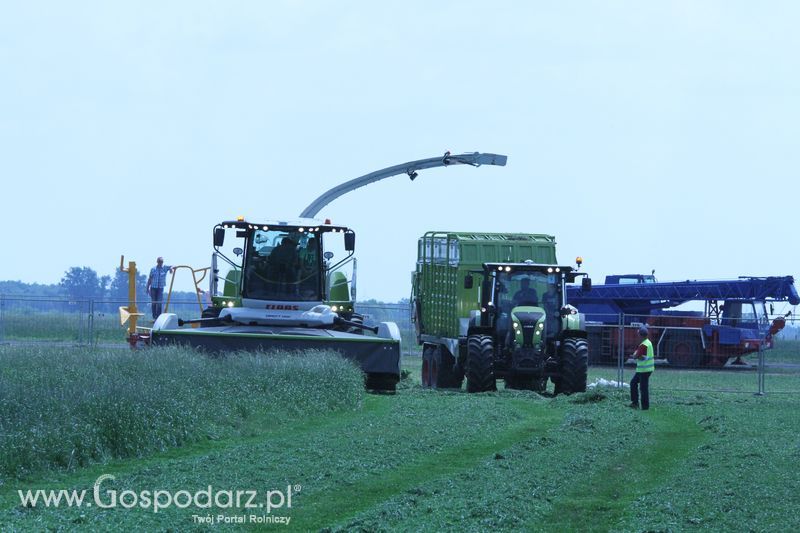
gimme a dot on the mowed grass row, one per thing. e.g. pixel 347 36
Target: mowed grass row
pixel 63 408
pixel 426 460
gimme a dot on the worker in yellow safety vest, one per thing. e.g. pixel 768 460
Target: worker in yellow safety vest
pixel 645 365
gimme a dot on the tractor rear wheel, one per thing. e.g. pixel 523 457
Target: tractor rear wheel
pixel 480 366
pixel 574 366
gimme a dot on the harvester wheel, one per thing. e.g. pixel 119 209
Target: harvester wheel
pixel 210 312
pixel 480 367
pixel 381 382
pixel 358 319
pixel 574 366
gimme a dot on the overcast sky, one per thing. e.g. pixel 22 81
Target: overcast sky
pixel 643 135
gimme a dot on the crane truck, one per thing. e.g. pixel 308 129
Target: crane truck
pixel 733 324
pixel 513 325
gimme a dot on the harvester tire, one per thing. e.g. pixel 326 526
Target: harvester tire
pixel 381 382
pixel 358 319
pixel 574 366
pixel 480 366
pixel 210 312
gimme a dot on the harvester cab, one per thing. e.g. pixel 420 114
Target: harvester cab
pixel 281 273
pixel 525 332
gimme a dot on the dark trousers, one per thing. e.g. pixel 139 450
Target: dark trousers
pixel 641 383
pixel 155 297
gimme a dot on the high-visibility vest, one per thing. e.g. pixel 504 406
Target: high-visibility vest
pixel 648 364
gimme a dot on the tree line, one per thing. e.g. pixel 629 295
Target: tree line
pixel 84 283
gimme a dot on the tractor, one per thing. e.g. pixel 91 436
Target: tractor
pixel 513 325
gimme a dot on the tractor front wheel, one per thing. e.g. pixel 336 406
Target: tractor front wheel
pixel 574 366
pixel 480 366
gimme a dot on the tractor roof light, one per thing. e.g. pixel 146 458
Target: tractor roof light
pixel 550 270
pixel 240 218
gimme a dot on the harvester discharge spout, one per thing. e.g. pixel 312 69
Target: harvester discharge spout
pixel 410 168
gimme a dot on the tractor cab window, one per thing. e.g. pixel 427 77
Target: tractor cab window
pixel 528 288
pixel 282 265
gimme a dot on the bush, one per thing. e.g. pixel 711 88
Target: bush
pixel 64 408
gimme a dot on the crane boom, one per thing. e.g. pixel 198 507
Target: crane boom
pixel 410 168
pixel 640 297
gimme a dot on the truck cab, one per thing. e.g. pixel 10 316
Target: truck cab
pixel 629 279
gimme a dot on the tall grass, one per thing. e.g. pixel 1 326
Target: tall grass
pixel 64 408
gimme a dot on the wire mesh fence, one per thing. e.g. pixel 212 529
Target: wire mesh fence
pixel 692 352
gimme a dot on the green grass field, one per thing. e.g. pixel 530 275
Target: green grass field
pixel 445 460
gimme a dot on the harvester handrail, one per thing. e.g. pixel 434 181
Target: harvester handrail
pixel 197 283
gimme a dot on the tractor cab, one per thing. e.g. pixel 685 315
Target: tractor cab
pixel 285 268
pixel 524 302
pixel 525 331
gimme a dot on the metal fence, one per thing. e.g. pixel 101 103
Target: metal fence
pixel 692 353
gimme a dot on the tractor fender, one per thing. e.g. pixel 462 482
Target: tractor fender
pixel 574 333
pixel 479 330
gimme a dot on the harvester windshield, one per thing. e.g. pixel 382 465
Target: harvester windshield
pixel 282 265
pixel 308 264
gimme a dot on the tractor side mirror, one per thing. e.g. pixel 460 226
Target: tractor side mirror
pixel 469 281
pixel 350 241
pixel 586 284
pixel 219 237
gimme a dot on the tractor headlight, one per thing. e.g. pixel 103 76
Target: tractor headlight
pixel 334 308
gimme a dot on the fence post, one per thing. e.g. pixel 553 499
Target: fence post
pixel 91 323
pixel 761 370
pixel 2 316
pixel 621 350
